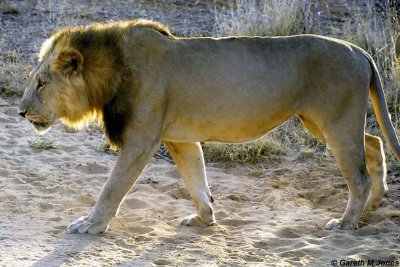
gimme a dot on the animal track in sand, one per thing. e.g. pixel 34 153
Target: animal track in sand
pixel 235 222
pixel 140 229
pixel 135 203
pixel 180 193
pixel 92 168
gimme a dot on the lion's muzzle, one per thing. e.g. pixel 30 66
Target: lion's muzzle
pixel 23 106
pixel 39 122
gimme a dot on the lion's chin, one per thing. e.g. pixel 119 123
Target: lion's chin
pixel 41 127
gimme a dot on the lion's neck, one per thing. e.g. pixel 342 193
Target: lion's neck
pixel 115 104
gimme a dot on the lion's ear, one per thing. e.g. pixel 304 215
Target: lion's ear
pixel 70 61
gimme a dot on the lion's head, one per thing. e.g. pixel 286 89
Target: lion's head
pixel 56 88
pixel 84 75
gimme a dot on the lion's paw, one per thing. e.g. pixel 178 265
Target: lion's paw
pixel 84 226
pixel 337 224
pixel 195 220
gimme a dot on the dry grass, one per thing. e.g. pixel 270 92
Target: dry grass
pixel 377 33
pixel 264 18
pixel 251 152
pixel 13 73
pixel 41 144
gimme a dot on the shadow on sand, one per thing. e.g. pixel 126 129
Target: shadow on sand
pixel 66 247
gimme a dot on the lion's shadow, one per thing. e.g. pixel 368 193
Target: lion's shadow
pixel 66 247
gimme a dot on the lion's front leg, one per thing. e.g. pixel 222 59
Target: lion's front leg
pixel 189 160
pixel 132 159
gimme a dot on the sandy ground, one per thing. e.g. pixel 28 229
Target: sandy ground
pixel 269 214
pixel 274 218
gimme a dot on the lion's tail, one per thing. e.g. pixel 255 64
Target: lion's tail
pixel 381 110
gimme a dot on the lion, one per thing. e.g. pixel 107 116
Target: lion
pixel 146 86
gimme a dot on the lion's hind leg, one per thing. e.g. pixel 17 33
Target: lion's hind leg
pixel 190 162
pixel 376 166
pixel 347 145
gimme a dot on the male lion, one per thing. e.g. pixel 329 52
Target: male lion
pixel 147 86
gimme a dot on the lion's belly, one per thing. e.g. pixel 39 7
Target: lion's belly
pixel 233 128
pixel 211 112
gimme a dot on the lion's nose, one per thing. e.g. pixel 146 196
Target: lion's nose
pixel 22 113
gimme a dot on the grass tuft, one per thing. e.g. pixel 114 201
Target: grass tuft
pixel 41 144
pixel 11 9
pixel 251 152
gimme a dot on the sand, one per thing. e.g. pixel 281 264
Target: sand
pixel 272 216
